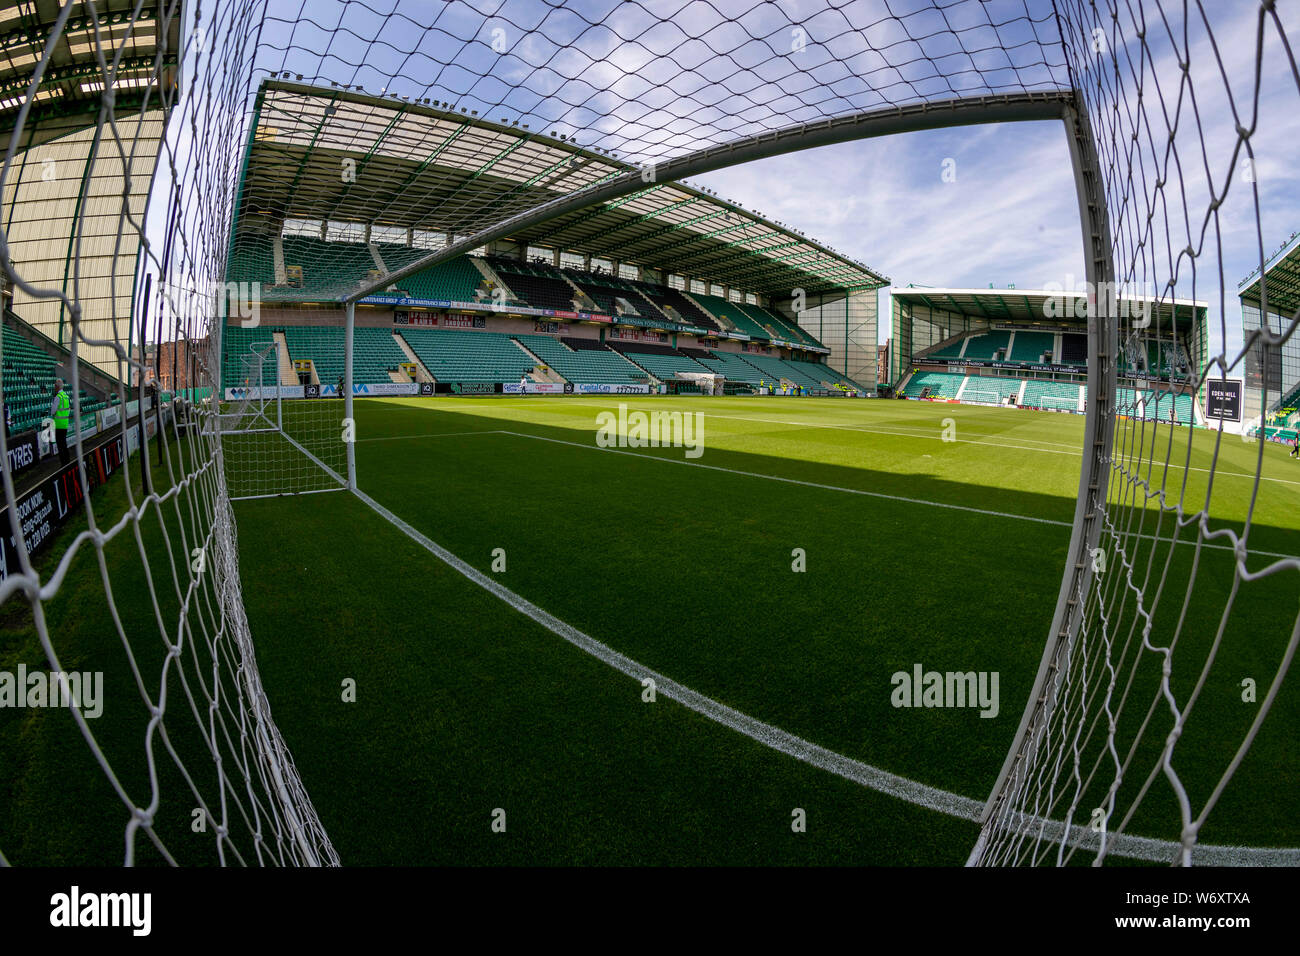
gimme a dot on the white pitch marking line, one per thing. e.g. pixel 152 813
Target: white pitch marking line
pixel 799 481
pixel 878 494
pixel 813 484
pixel 1154 466
pixel 434 435
pixel 882 781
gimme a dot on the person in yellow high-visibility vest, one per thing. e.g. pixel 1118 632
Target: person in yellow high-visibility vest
pixel 61 412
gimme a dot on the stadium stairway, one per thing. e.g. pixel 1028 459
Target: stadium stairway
pixel 287 374
pixel 584 362
pixel 460 355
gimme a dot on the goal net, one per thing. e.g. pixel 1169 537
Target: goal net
pixel 1056 402
pixel 123 193
pixel 276 440
pixel 976 396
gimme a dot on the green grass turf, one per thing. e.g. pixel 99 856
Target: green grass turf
pixel 465 706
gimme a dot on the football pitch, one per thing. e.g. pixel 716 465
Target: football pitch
pixel 811 551
pixel 481 663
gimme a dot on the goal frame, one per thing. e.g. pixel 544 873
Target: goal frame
pixel 344 482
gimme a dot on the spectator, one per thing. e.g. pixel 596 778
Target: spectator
pixel 61 412
pixel 9 420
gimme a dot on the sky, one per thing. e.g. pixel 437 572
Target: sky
pixel 964 207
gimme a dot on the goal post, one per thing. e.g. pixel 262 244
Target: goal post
pixel 281 439
pixel 1049 402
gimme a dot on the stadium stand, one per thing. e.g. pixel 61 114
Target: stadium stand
pixel 733 367
pixel 1074 348
pixel 589 363
pixel 236 343
pixel 539 285
pixel 940 384
pixel 455 355
pixel 456 280
pixel 661 361
pixel 984 346
pixel 987 388
pixel 1031 346
pixel 819 372
pixel 670 301
pixel 775 369
pixel 375 352
pixel 1043 394
pixel 29 374
pixel 735 314
pixel 329 269
pixel 1162 406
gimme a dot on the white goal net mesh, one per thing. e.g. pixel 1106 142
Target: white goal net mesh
pixel 125 135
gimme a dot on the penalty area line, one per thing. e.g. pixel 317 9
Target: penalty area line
pixel 882 781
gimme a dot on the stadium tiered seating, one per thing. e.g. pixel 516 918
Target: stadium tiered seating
pixel 732 311
pixel 603 288
pixel 1074 348
pixel 374 355
pixel 1031 346
pixel 665 298
pixel 251 260
pixel 775 369
pixel 456 280
pixel 1162 406
pixel 983 346
pixel 324 346
pixel 988 388
pixel 237 342
pixel 29 374
pixel 951 350
pixel 455 355
pixel 940 384
pixel 538 292
pixel 396 256
pixel 778 325
pixel 1042 394
pixel 329 269
pixel 731 365
pixel 1165 406
pixel 661 361
pixel 598 365
pixel 823 373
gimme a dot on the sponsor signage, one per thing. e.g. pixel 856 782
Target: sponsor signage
pixel 266 391
pixel 311 391
pixel 48 506
pixel 23 452
pixel 534 388
pixel 404 303
pixel 624 389
pixel 979 363
pixel 474 388
pixel 386 388
pixel 426 388
pixel 1223 400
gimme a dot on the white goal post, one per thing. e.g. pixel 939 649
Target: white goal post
pixel 277 440
pixel 1056 401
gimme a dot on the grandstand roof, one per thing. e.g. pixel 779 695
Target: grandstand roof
pixel 1030 305
pixel 71 89
pixel 426 165
pixel 1282 275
